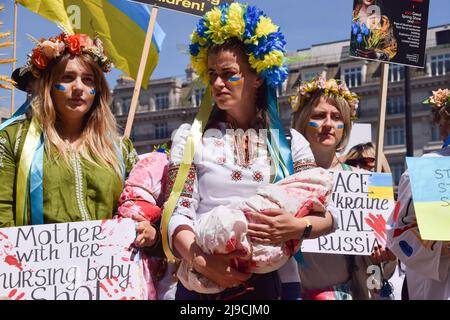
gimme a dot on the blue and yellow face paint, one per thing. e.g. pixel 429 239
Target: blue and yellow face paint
pixel 93 92
pixel 235 80
pixel 313 126
pixel 340 126
pixel 59 87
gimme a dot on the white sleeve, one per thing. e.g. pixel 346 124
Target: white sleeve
pixel 301 152
pixel 404 240
pixel 187 204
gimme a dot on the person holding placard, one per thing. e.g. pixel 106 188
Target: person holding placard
pixel 323 110
pixel 427 262
pixel 239 51
pixel 61 159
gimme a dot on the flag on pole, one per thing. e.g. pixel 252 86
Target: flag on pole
pixel 121 25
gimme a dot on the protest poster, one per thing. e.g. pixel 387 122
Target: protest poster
pixel 390 31
pixel 195 7
pixel 430 185
pixel 363 202
pixel 71 261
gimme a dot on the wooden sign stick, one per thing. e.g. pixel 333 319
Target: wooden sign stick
pixel 382 115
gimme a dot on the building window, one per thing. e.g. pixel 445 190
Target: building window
pixel 308 76
pixel 161 131
pixel 198 96
pixel 397 171
pixel 126 106
pixel 440 64
pixel 395 135
pixel 435 134
pixel 162 101
pixel 353 77
pixel 395 105
pixel 396 73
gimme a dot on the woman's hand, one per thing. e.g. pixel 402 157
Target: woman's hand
pixel 274 226
pixel 217 268
pixel 147 234
pixel 381 254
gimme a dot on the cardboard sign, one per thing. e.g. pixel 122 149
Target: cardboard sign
pixel 363 202
pixel 195 7
pixel 71 261
pixel 430 185
pixel 391 31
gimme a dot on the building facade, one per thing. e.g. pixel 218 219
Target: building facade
pixel 172 101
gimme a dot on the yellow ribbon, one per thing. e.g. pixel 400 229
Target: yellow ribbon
pixel 195 136
pixel 29 148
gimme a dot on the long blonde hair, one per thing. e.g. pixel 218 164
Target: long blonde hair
pixel 99 135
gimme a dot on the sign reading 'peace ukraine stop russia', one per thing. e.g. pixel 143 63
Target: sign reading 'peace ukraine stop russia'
pixel 195 7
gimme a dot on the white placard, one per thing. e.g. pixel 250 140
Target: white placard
pixel 92 260
pixel 363 202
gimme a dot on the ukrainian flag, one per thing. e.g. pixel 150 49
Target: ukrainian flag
pixel 380 186
pixel 122 26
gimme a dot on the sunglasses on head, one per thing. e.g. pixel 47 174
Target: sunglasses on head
pixel 366 161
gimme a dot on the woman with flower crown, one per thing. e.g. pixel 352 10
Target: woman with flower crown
pixel 239 51
pixel 323 110
pixel 427 270
pixel 61 159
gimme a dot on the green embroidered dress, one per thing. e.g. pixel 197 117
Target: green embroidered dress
pixel 77 192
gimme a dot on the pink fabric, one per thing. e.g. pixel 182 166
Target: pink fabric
pixel 143 196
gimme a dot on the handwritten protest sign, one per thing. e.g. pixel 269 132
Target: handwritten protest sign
pixel 390 31
pixel 430 184
pixel 70 261
pixel 363 202
pixel 195 7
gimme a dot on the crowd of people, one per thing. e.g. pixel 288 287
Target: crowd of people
pixel 249 199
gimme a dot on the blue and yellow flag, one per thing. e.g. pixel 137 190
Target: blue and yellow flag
pixel 121 25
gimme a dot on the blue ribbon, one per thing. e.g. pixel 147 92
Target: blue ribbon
pixel 17 115
pixel 279 148
pixel 36 185
pixel 446 142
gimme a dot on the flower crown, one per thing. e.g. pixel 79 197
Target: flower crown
pixel 263 41
pixel 439 99
pixel 78 44
pixel 328 87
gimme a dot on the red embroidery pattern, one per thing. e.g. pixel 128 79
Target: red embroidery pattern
pixel 186 203
pixel 221 160
pixel 304 164
pixel 219 143
pixel 236 175
pixel 188 188
pixel 258 176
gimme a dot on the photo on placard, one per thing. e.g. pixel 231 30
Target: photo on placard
pixel 390 31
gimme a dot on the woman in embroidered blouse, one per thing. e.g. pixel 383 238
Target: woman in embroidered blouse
pixel 83 160
pixel 373 31
pixel 427 262
pixel 228 167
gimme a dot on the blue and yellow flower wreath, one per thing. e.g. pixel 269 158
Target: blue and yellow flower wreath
pixel 264 43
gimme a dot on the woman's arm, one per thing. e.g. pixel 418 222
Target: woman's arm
pixel 7 176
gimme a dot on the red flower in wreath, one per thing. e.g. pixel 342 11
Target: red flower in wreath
pixel 76 43
pixel 39 59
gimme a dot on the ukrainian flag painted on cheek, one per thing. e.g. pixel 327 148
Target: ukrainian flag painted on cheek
pixel 121 25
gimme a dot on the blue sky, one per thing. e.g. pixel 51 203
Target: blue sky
pixel 303 22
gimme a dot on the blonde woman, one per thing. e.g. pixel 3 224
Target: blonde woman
pixel 68 136
pixel 323 110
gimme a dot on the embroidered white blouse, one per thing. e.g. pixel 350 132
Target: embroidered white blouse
pixel 221 175
pixel 427 271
